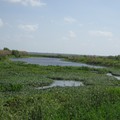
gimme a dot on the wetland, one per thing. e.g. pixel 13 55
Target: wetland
pixel 54 92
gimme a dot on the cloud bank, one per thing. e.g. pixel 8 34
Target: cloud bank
pixel 69 20
pixel 28 2
pixel 28 27
pixel 101 33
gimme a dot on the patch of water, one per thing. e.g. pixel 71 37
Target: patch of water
pixel 117 77
pixel 62 83
pixel 52 61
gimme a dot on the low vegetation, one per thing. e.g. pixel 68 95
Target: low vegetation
pixel 6 52
pixel 110 61
pixel 98 99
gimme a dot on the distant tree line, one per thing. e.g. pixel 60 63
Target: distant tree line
pixel 6 52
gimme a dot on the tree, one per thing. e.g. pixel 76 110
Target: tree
pixel 5 48
pixel 16 53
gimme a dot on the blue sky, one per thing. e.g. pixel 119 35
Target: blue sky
pixel 89 27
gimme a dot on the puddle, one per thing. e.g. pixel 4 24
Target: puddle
pixel 117 77
pixel 62 83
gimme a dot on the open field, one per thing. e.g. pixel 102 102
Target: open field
pixel 98 99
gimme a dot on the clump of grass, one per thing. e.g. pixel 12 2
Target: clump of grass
pixel 10 87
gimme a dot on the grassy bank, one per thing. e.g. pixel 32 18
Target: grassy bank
pixel 99 99
pixel 109 61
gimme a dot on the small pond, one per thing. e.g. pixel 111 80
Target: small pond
pixel 62 83
pixel 110 74
pixel 52 61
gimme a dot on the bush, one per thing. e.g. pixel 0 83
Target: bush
pixel 16 53
pixel 4 54
pixel 6 49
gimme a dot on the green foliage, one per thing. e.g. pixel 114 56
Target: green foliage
pixel 6 52
pixel 16 53
pixel 65 104
pixel 5 48
pixel 110 61
pixel 8 87
pixel 20 100
pixel 2 58
pixel 36 113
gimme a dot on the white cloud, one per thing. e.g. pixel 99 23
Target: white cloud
pixel 29 28
pixel 101 33
pixel 1 22
pixel 69 20
pixel 28 2
pixel 72 34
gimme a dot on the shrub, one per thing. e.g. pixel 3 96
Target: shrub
pixel 5 48
pixel 4 54
pixel 16 53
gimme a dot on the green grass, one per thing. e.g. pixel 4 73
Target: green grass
pixel 65 103
pixel 99 99
pixel 110 61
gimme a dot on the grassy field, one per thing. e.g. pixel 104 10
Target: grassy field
pixel 98 99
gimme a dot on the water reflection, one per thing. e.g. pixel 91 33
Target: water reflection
pixel 62 83
pixel 52 61
pixel 117 77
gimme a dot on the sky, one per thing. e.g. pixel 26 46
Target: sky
pixel 85 27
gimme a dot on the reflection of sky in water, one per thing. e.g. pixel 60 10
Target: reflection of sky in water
pixel 117 77
pixel 52 61
pixel 62 83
